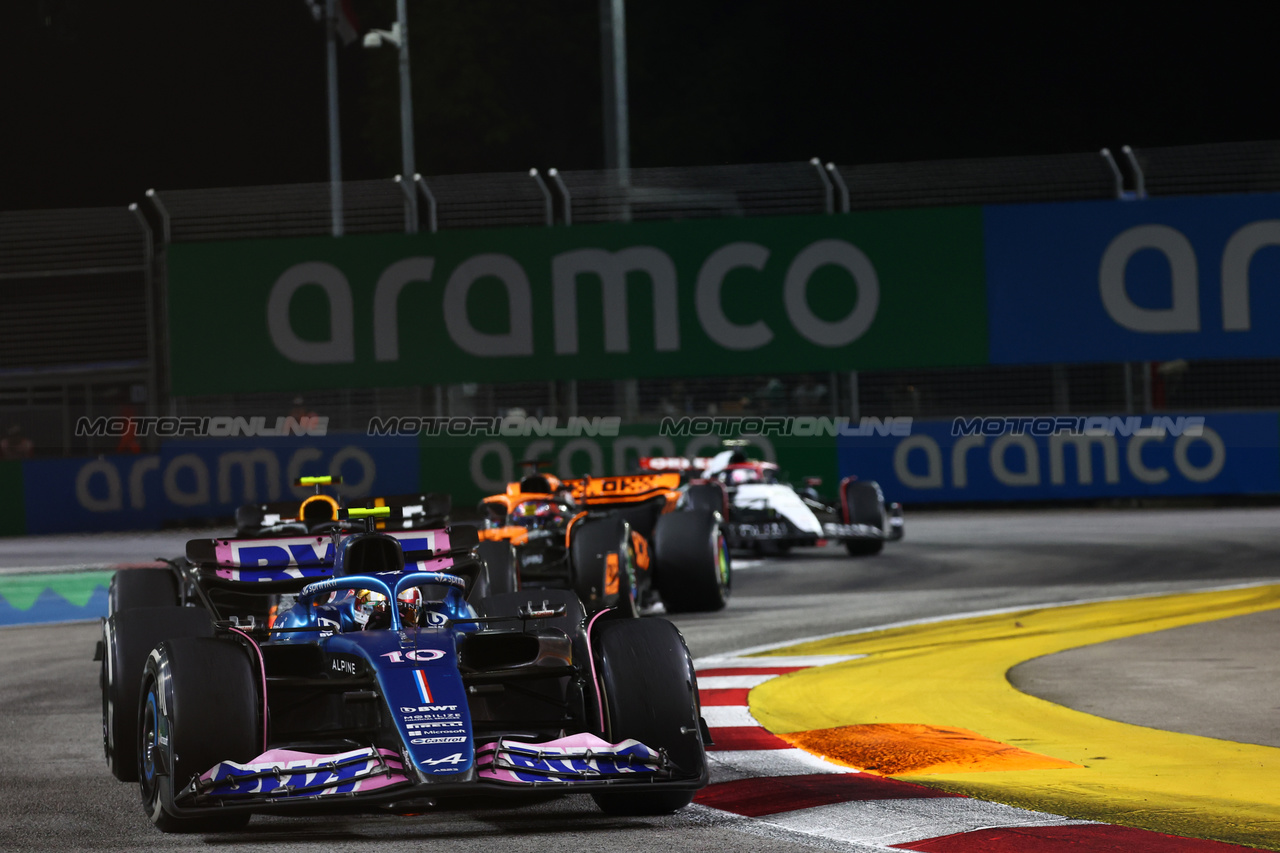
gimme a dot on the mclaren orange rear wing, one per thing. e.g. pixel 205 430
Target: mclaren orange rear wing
pixel 630 488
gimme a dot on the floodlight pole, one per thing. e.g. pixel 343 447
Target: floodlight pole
pixel 398 35
pixel 613 56
pixel 406 115
pixel 335 139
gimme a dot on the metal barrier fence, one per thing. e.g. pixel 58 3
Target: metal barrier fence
pixel 82 331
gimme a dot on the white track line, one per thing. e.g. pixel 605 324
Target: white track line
pixel 931 620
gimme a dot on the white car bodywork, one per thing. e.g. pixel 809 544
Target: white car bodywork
pixel 781 499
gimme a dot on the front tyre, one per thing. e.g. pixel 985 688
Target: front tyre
pixel 863 547
pixel 199 706
pixel 128 636
pixel 865 504
pixel 651 695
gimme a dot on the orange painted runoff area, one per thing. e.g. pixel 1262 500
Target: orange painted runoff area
pixel 889 749
pixel 952 675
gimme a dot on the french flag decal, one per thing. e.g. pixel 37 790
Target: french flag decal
pixel 424 689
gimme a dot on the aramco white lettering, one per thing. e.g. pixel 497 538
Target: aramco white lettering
pixel 570 272
pixel 1018 460
pixel 188 479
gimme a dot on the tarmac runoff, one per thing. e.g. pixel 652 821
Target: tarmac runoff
pixel 929 706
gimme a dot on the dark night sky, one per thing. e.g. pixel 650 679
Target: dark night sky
pixel 104 98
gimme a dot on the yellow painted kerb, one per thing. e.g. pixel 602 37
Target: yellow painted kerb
pixel 953 674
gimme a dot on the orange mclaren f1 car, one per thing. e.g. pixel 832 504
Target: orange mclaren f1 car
pixel 625 542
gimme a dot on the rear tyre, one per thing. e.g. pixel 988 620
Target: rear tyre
pixel 601 562
pixel 128 637
pixel 500 557
pixel 650 695
pixel 142 588
pixel 199 707
pixel 709 496
pixel 692 570
pixel 866 506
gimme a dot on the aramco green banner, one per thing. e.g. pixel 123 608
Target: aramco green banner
pixel 885 289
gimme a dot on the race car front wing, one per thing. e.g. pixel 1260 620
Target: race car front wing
pixel 569 759
pixel 289 773
pixel 281 780
pixel 745 533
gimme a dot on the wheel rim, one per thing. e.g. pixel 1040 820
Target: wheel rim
pixel 722 564
pixel 154 735
pixel 107 681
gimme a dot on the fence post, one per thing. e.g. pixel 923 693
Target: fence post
pixel 828 199
pixel 431 202
pixel 840 185
pixel 1115 171
pixel 410 205
pixel 165 234
pixel 546 196
pixel 1140 180
pixel 564 194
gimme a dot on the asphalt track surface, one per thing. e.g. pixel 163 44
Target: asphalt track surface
pixel 56 793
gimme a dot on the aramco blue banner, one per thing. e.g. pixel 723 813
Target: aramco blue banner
pixel 206 479
pixel 1019 459
pixel 1150 280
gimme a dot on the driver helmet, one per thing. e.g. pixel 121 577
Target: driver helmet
pixel 371 610
pixel 538 514
pixel 738 476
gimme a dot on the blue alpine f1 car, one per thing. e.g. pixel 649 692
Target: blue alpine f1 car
pixel 387 686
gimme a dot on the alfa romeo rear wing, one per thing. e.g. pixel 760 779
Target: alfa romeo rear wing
pixel 675 463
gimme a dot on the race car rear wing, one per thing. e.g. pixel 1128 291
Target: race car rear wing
pixel 278 552
pixel 416 510
pixel 286 558
pixel 675 463
pixel 630 488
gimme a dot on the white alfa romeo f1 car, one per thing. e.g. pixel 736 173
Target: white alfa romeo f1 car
pixel 768 516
